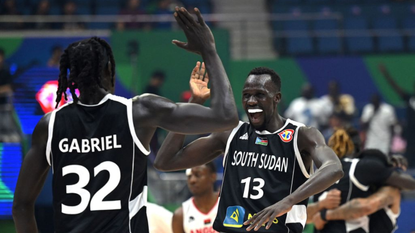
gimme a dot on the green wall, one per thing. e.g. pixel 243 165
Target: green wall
pixel 156 52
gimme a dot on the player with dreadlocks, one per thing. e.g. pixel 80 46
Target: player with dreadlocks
pixel 97 145
pixel 366 189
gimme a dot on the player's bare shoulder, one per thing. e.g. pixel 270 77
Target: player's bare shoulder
pixel 309 137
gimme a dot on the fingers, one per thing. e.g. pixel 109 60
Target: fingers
pixel 256 221
pixel 180 44
pixel 195 70
pixel 187 17
pixel 202 71
pixel 179 20
pixel 199 17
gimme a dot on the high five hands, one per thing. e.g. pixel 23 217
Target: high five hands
pixel 199 37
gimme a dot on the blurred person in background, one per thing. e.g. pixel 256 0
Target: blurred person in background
pixel 378 120
pixel 306 109
pixel 338 103
pixel 159 219
pixel 9 130
pixel 70 9
pixel 366 172
pixel 133 8
pixel 409 128
pixel 8 7
pixel 42 9
pixel 199 211
pixel 54 60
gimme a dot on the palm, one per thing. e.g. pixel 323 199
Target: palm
pixel 198 83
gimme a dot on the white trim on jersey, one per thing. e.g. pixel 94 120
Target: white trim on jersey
pixel 228 143
pixel 137 203
pixel 297 151
pixel 103 100
pixel 362 222
pixel 297 214
pixel 129 104
pixel 50 135
pixel 353 178
pixel 266 132
pixel 392 216
pixel 50 132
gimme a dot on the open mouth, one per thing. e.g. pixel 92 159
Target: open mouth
pixel 255 114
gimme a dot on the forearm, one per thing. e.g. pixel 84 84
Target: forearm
pixel 323 178
pixel 312 209
pixel 222 99
pixel 24 219
pixel 168 156
pixel 350 210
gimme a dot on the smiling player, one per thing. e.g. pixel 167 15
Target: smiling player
pixel 268 161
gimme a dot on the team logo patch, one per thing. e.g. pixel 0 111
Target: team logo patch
pixel 261 141
pixel 286 135
pixel 234 217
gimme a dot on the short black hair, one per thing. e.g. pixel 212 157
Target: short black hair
pixel 265 70
pixel 86 61
pixel 2 52
pixel 159 74
pixel 212 167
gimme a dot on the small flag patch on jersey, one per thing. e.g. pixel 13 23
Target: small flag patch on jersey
pixel 261 141
pixel 234 217
pixel 244 137
pixel 286 135
pixel 207 221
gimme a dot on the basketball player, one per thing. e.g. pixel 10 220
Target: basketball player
pixel 384 203
pixel 364 175
pixel 198 212
pixel 97 146
pixel 267 164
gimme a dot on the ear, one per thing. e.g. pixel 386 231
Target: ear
pixel 277 97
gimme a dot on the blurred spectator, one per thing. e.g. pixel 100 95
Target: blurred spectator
pixel 133 8
pixel 164 7
pixel 155 83
pixel 9 8
pixel 55 56
pixel 337 103
pixel 9 131
pixel 69 9
pixel 378 120
pixel 159 218
pixel 306 109
pixel 42 9
pixel 409 129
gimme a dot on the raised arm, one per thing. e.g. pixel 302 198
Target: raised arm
pixel 359 207
pixel 312 146
pixel 192 118
pixel 391 81
pixel 32 176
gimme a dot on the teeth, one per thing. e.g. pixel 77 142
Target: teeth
pixel 254 110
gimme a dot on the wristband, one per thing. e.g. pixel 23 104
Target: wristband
pixel 323 215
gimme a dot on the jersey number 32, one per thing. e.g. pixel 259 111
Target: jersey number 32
pixel 97 202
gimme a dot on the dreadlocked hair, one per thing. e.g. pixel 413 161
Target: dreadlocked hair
pixel 341 143
pixel 86 61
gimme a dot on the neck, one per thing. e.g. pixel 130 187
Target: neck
pixel 90 98
pixel 276 123
pixel 206 201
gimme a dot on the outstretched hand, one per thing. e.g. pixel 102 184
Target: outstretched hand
pixel 198 34
pixel 267 215
pixel 199 80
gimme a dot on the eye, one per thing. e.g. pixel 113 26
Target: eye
pixel 245 96
pixel 260 95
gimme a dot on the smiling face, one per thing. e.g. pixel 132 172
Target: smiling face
pixel 260 97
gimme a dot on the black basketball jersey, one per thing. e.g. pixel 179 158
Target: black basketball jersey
pixel 99 168
pixel 260 169
pixel 350 188
pixel 383 221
